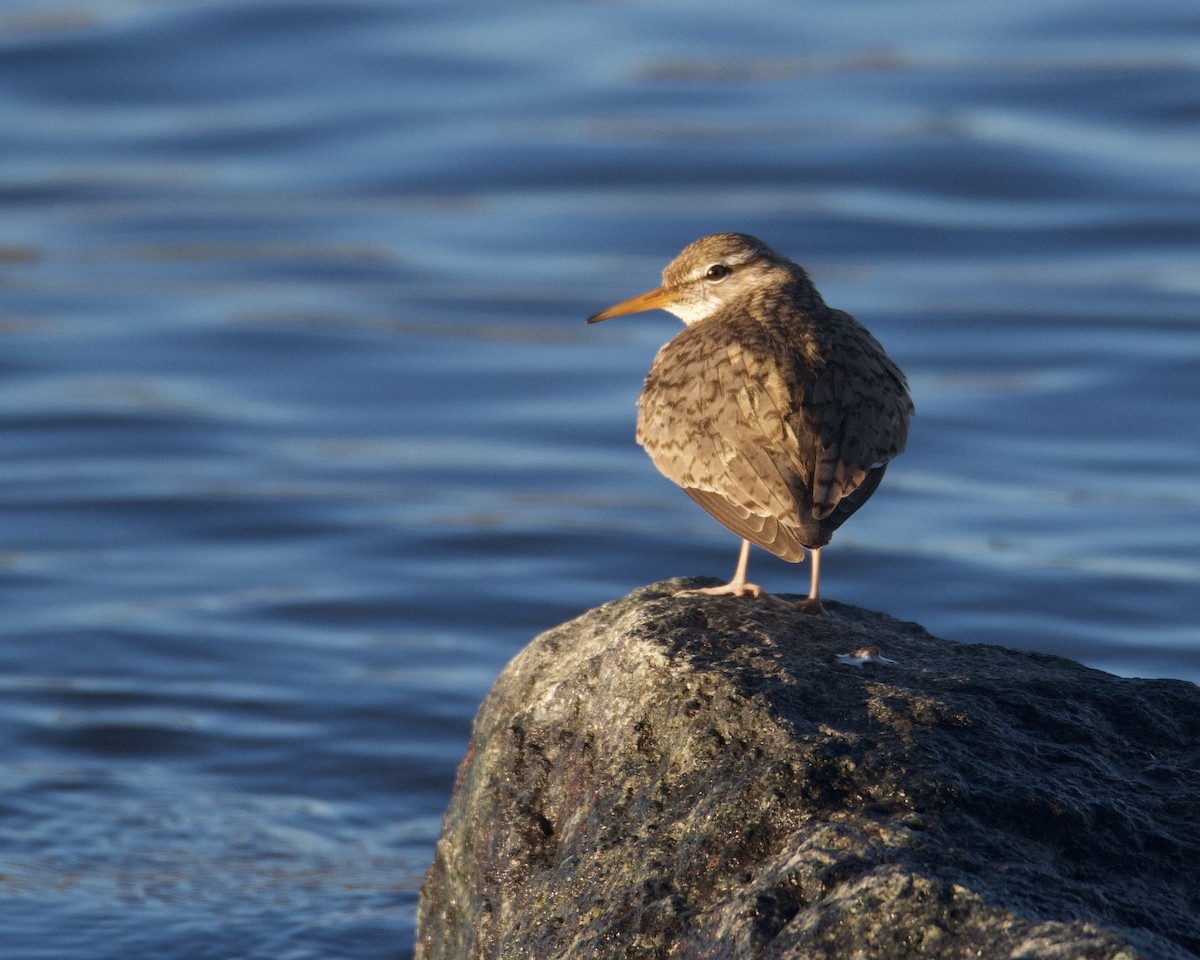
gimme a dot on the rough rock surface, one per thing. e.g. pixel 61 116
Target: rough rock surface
pixel 702 777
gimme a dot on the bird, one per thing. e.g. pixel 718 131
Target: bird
pixel 776 413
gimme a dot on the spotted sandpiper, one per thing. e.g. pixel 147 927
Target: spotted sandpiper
pixel 774 412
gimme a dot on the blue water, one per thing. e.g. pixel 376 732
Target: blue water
pixel 304 435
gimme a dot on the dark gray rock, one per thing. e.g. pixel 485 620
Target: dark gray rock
pixel 702 777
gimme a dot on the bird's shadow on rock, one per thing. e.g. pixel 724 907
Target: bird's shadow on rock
pixel 803 667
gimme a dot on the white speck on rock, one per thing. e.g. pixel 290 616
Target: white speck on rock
pixel 863 655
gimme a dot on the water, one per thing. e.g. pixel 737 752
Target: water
pixel 304 435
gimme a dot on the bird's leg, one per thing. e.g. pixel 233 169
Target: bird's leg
pixel 737 587
pixel 813 603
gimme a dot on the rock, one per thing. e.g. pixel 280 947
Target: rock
pixel 702 777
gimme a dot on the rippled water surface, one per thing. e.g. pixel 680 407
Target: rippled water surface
pixel 304 435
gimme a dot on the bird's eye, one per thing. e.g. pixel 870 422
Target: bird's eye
pixel 716 273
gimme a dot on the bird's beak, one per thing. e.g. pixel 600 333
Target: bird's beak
pixel 650 300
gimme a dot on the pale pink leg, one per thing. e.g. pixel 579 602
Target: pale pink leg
pixel 737 587
pixel 813 603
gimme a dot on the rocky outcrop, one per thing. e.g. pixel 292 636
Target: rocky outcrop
pixel 701 777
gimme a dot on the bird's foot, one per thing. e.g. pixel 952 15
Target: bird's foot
pixel 811 606
pixel 732 589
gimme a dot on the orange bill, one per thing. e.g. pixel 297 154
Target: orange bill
pixel 650 300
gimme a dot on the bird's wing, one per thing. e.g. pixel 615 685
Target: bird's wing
pixel 712 420
pixel 856 414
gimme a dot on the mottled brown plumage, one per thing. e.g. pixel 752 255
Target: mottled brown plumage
pixel 773 411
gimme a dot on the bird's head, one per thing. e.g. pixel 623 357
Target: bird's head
pixel 708 275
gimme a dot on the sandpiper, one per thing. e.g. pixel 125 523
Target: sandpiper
pixel 774 412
